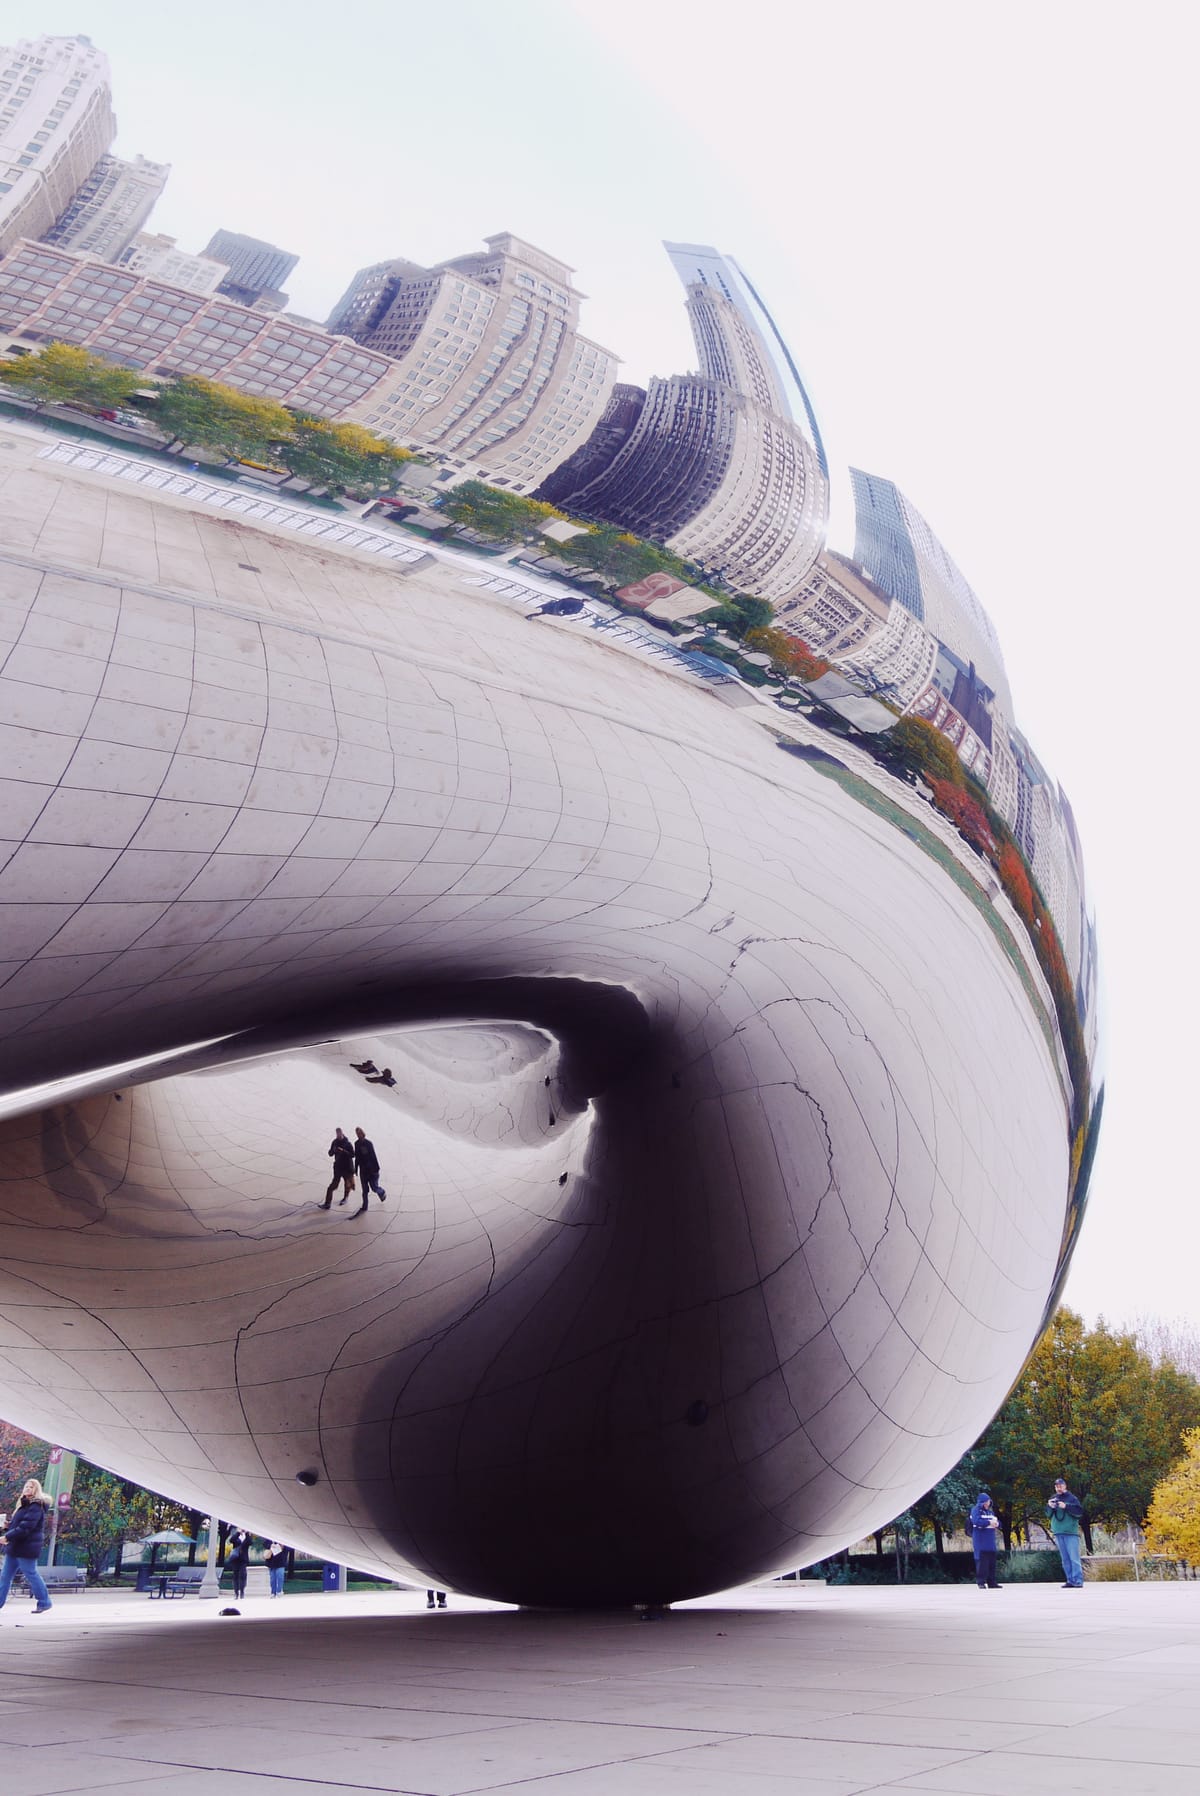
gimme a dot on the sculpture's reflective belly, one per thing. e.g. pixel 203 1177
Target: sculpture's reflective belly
pixel 729 1154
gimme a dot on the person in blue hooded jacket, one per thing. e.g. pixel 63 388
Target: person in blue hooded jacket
pixel 985 1532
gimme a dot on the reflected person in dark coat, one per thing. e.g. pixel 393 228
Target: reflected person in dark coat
pixel 366 1164
pixel 237 1560
pixel 341 1150
pixel 24 1539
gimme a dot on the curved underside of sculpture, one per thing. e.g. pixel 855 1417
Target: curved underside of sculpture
pixel 728 1156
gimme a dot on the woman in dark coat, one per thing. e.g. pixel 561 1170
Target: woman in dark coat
pixel 237 1560
pixel 24 1539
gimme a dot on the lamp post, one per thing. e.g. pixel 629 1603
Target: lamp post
pixel 210 1584
pixel 58 1485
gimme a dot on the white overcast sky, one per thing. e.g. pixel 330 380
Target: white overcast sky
pixel 976 225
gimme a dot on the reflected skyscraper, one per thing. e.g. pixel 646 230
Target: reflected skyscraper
pixel 700 263
pixel 714 465
pixel 257 270
pixel 896 547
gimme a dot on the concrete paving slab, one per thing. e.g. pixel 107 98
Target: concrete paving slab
pixel 760 1691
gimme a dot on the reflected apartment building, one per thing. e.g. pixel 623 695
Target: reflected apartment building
pixel 49 295
pixel 161 259
pixel 483 369
pixel 712 464
pixel 56 123
pixel 900 617
pixel 489 369
pixel 110 208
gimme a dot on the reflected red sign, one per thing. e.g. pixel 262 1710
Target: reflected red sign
pixel 654 586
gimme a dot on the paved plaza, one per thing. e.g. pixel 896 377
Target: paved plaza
pixel 821 1692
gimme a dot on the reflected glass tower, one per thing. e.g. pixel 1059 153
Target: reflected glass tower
pixel 898 550
pixel 700 262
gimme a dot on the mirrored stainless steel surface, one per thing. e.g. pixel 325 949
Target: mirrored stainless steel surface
pixel 728 1007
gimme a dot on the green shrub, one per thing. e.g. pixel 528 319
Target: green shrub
pixel 1109 1571
pixel 1041 1567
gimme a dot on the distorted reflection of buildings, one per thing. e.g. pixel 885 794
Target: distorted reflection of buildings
pixel 110 208
pixel 48 295
pixel 160 258
pixel 901 619
pixel 712 464
pixel 489 369
pixel 698 264
pixel 56 122
pixel 896 547
pixel 255 271
pixel 844 615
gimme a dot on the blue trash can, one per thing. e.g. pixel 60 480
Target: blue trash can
pixel 331 1577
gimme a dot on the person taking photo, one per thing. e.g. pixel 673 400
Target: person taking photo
pixel 1066 1512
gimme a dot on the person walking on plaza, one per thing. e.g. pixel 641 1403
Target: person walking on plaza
pixel 24 1540
pixel 366 1164
pixel 441 1599
pixel 276 1564
pixel 341 1152
pixel 237 1560
pixel 1065 1513
pixel 985 1533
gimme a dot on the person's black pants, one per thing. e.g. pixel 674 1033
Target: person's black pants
pixel 239 1580
pixel 985 1571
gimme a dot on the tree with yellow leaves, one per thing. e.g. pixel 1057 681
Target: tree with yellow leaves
pixel 1173 1519
pixel 61 374
pixel 340 457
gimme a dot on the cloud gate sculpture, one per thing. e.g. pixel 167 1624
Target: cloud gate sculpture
pixel 739 1038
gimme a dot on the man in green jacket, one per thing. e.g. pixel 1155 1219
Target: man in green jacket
pixel 1065 1511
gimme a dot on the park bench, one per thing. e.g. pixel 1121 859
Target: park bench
pixel 186 1578
pixel 60 1579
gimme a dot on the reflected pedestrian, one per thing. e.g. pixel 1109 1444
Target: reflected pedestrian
pixel 556 608
pixel 383 1078
pixel 441 1599
pixel 276 1566
pixel 341 1150
pixel 25 1537
pixel 1066 1512
pixel 985 1531
pixel 366 1164
pixel 237 1560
